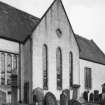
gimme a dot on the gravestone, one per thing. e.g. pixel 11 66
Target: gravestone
pixel 63 99
pixel 103 94
pixel 38 92
pixel 50 99
pixel 2 97
pixel 66 92
pixel 96 96
pixel 34 98
pixel 85 96
pixel 75 88
pixel 38 96
pixel 91 97
pixel 103 88
pixel 100 98
pixel 76 103
pixel 81 100
pixel 103 99
pixel 71 102
pixel 13 88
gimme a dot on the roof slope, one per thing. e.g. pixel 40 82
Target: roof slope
pixel 15 24
pixel 90 51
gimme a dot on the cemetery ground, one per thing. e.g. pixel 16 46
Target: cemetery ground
pixel 92 98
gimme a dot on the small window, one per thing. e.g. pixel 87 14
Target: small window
pixel 45 67
pixel 88 78
pixel 8 63
pixel 59 68
pixel 71 68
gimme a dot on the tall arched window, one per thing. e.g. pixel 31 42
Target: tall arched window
pixel 45 66
pixel 59 68
pixel 71 68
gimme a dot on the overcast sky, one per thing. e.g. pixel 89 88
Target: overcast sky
pixel 87 17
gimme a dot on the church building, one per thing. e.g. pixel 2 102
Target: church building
pixel 45 53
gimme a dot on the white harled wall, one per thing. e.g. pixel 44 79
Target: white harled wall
pixel 98 75
pixel 9 46
pixel 45 33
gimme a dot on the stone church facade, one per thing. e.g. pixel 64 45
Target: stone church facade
pixel 42 53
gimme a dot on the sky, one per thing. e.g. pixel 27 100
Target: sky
pixel 87 17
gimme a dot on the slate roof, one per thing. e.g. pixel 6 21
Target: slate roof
pixel 90 51
pixel 15 24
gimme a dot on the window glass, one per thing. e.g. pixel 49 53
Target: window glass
pixel 45 67
pixel 71 68
pixel 88 81
pixel 59 68
pixel 2 68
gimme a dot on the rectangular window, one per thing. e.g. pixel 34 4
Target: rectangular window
pixel 2 68
pixel 71 69
pixel 8 65
pixel 88 78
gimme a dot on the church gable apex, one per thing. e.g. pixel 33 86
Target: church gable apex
pixel 56 19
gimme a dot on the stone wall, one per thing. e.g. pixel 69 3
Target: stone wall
pixel 45 33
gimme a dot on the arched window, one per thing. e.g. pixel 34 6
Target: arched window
pixel 71 68
pixel 59 68
pixel 45 66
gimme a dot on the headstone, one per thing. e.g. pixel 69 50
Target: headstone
pixel 81 100
pixel 34 98
pixel 75 88
pixel 85 96
pixel 39 93
pixel 103 88
pixel 103 99
pixel 50 99
pixel 103 94
pixel 66 92
pixel 96 96
pixel 76 103
pixel 100 98
pixel 38 96
pixel 91 97
pixel 63 99
pixel 71 102
pixel 2 97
